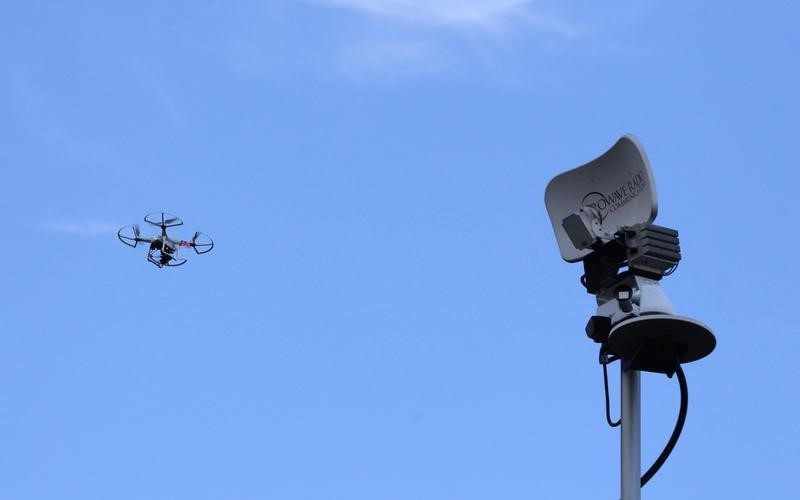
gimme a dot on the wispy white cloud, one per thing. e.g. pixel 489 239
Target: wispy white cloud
pixel 378 39
pixel 489 15
pixel 436 11
pixel 427 37
pixel 83 229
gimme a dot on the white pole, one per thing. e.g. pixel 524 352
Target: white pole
pixel 631 444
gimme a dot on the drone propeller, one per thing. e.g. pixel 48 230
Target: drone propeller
pixel 202 243
pixel 163 219
pixel 131 236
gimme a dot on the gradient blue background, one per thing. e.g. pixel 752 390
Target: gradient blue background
pixel 386 315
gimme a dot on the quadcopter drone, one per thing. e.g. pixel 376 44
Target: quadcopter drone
pixel 163 250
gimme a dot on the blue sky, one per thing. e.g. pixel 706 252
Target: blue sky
pixel 386 314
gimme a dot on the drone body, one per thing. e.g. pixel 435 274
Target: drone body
pixel 162 250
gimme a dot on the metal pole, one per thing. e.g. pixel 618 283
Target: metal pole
pixel 631 444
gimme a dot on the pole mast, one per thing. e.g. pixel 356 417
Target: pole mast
pixel 630 435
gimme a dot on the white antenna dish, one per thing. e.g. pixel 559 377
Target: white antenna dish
pixel 602 214
pixel 617 186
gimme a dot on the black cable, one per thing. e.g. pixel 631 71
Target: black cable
pixel 608 403
pixel 676 433
pixel 671 269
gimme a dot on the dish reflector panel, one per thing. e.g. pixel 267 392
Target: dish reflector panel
pixel 618 185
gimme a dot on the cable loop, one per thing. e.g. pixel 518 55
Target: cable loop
pixel 605 359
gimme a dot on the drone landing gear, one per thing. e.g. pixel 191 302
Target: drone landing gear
pixel 163 259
